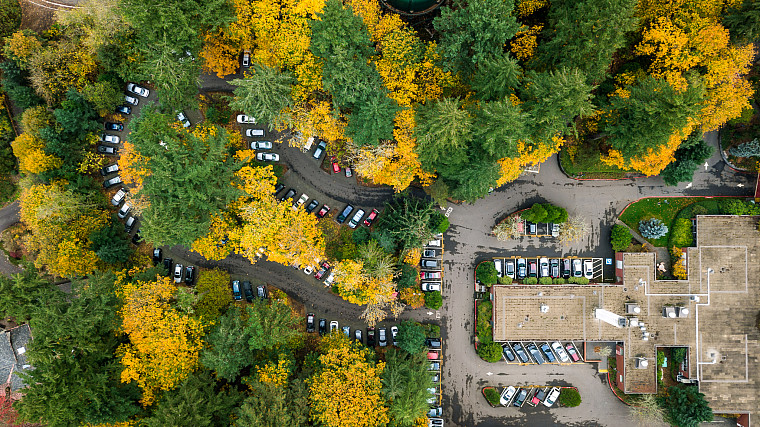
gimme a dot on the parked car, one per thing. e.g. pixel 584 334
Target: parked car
pixel 322 212
pixel 356 219
pixel 531 227
pixel 382 339
pixel 532 269
pixel 245 119
pixel 115 126
pixel 312 205
pixel 177 273
pixel 308 270
pixel 109 169
pixel 509 268
pixel 106 149
pixel 236 290
pixel 435 422
pixel 261 145
pixel 157 255
pixel 183 119
pixel 168 262
pixel 552 397
pixel 435 412
pixel 310 322
pixel 521 270
pixel 370 337
pixel 335 165
pixel 261 292
pixel 139 90
pixel 433 342
pixel 561 353
pixel 320 149
pixel 577 270
pixel 289 194
pixel 301 200
pixel 555 230
pixel 323 269
pixel 507 352
pixel 544 267
pixel 567 270
pixel 434 243
pixel 429 275
pixel 246 58
pixel 498 265
pixel 111 139
pixel 535 353
pixel 371 217
pixel 322 326
pixel 129 224
pixel 330 278
pixel 123 109
pixel 333 325
pixel 347 331
pixel 277 188
pixel 507 395
pixel 189 275
pixel 394 333
pixel 430 263
pixel 520 351
pixel 349 172
pixel 248 291
pixel 520 398
pixel 588 269
pixel 429 253
pixel 125 208
pixel 571 351
pixel 137 237
pixel 344 215
pixel 268 157
pixel 538 397
pixel 131 100
pixel 358 335
pixel 547 351
pixel 554 268
pixel 111 182
pixel 252 133
pixel 430 286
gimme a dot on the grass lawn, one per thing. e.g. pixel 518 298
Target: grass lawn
pixel 587 164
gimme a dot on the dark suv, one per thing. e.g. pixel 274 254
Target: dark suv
pixel 248 291
pixel 189 275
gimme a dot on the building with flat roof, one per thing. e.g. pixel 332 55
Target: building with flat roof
pixel 713 313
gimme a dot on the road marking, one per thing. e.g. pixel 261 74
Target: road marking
pixel 430 313
pixel 706 165
pixel 688 185
pixel 489 373
pixel 740 185
pixel 448 212
pixel 602 371
pixel 437 314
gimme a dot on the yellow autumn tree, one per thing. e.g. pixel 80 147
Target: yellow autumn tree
pixel 529 154
pixel 346 390
pixel 164 342
pixel 30 151
pixel 358 286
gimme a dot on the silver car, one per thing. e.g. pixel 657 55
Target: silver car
pixel 356 219
pixel 261 145
pixel 139 90
pixel 268 157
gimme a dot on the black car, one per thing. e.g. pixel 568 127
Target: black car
pixel 313 205
pixel 548 353
pixel 433 343
pixel 521 353
pixel 123 109
pixel 322 326
pixel 310 322
pixel 278 188
pixel 535 353
pixel 540 395
pixel 168 263
pixel 566 269
pixel 520 398
pixel 508 354
pixel 109 169
pixel 262 292
pixel 114 126
pixel 344 215
pixel 289 194
pixel 157 255
pixel 106 149
pixel 370 337
pixel 248 291
pixel 137 238
pixel 189 275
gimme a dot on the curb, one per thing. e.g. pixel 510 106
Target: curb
pixel 723 156
pixel 615 393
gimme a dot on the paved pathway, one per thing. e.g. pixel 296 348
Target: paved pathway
pixel 9 215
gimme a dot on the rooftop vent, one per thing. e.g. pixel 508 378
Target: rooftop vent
pixel 669 312
pixel 641 363
pixel 682 312
pixel 632 308
pixel 544 308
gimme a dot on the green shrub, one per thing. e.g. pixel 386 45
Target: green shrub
pixel 545 213
pixel 569 397
pixel 490 352
pixel 492 396
pixel 483 319
pixel 431 330
pixel 578 280
pixel 530 281
pixel 439 223
pixel 545 281
pixel 739 207
pixel 433 300
pixel 558 281
pixel 360 235
pixel 505 280
pixel 486 273
pixel 408 276
pixel 652 228
pixel 681 235
pixel 620 238
pixel 748 149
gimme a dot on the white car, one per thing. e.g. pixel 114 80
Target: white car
pixel 125 208
pixel 434 243
pixel 430 286
pixel 435 422
pixel 394 332
pixel 561 353
pixel 577 270
pixel 183 119
pixel 177 273
pixel 497 262
pixel 300 201
pixel 588 269
pixel 555 230
pixel 118 197
pixel 507 395
pixel 139 90
pixel 552 397
pixel 254 132
pixel 544 263
pixel 131 100
pixel 111 139
pixel 244 119
pixel 356 219
pixel 330 279
pixel 333 325
pixel 268 157
pixel 308 270
pixel 261 145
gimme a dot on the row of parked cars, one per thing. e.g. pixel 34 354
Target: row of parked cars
pixel 540 352
pixel 247 291
pixel 539 229
pixel 431 267
pixel 178 272
pixel 520 268
pixel 518 397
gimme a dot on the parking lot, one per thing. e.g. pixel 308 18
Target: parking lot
pixel 519 268
pixel 540 352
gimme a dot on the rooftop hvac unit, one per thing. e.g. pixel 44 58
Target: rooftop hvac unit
pixel 669 312
pixel 544 308
pixel 641 363
pixel 682 312
pixel 632 308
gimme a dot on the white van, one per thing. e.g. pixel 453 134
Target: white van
pixel 254 132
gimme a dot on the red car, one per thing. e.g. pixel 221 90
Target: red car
pixel 371 217
pixel 322 212
pixel 335 166
pixel 321 273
